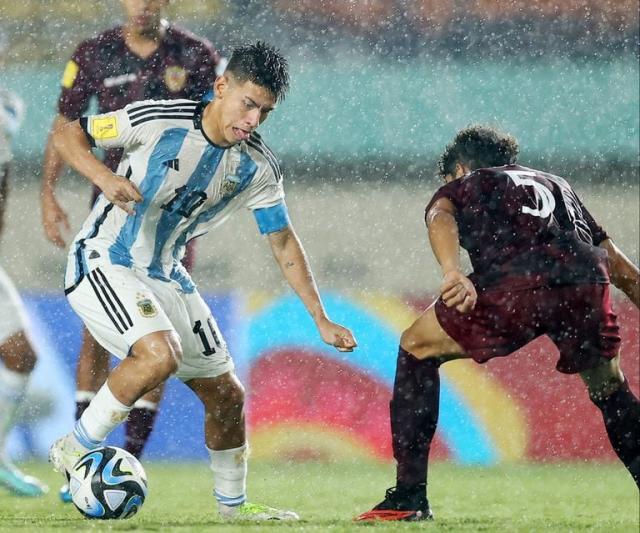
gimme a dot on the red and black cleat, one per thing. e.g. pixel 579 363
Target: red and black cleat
pixel 400 504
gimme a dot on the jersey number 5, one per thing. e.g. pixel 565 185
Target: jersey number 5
pixel 545 202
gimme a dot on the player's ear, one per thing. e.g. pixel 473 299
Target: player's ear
pixel 220 86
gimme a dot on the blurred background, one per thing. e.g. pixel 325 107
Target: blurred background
pixel 378 89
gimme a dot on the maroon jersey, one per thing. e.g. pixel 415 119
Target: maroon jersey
pixel 183 66
pixel 525 228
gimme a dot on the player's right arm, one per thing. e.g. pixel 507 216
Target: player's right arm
pixel 76 90
pixel 456 290
pixel 72 143
pixel 54 218
pixel 624 274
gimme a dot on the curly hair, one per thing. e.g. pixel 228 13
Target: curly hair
pixel 263 65
pixel 478 146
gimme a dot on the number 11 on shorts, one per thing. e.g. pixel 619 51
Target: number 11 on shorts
pixel 206 344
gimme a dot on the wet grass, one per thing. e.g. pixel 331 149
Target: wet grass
pixel 558 497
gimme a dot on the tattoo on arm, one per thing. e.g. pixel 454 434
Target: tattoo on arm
pixel 289 264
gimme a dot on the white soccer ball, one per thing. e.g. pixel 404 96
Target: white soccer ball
pixel 108 483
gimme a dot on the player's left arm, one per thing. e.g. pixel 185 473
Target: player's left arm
pixel 624 274
pixel 456 290
pixel 292 260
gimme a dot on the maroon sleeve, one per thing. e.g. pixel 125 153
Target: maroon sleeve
pixel 447 191
pixel 77 91
pixel 597 231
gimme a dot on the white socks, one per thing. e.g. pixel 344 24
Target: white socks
pixel 12 389
pixel 102 416
pixel 230 475
pixel 145 404
pixel 84 396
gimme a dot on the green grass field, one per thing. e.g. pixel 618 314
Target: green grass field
pixel 559 497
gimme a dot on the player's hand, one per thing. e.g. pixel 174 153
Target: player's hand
pixel 120 191
pixel 54 219
pixel 458 291
pixel 336 335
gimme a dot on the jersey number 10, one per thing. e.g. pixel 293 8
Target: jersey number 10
pixel 185 201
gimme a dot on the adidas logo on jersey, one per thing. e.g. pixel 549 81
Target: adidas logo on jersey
pixel 173 163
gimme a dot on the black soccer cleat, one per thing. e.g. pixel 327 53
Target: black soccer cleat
pixel 407 504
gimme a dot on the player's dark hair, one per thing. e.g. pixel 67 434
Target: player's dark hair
pixel 478 146
pixel 263 65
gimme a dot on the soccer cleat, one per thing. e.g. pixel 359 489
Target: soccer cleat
pixel 20 483
pixel 254 512
pixel 65 494
pixel 400 504
pixel 64 454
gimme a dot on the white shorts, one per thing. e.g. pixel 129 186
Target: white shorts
pixel 119 306
pixel 12 314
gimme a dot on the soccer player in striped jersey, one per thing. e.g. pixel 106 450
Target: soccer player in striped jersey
pixel 144 58
pixel 187 166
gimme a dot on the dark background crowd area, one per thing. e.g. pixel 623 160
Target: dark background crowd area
pixel 45 30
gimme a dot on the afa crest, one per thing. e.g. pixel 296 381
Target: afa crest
pixel 175 78
pixel 146 308
pixel 230 184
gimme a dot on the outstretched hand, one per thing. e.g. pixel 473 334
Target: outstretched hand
pixel 120 191
pixel 458 291
pixel 54 220
pixel 338 336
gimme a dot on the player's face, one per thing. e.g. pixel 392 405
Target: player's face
pixel 459 172
pixel 242 107
pixel 144 15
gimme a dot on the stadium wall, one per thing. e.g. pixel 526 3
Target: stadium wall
pixel 309 402
pixel 363 108
pixel 365 235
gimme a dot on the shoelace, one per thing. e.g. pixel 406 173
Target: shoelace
pixel 391 493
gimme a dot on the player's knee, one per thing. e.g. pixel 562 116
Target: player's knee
pixel 238 395
pixel 28 360
pixel 418 344
pixel 169 364
pixel 161 362
pixel 17 354
pixel 230 394
pixel 161 356
pixel 233 395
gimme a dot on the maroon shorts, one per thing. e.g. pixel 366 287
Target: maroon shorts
pixel 577 318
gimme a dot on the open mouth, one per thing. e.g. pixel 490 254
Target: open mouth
pixel 241 134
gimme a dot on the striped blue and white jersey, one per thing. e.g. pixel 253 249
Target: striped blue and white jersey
pixel 188 184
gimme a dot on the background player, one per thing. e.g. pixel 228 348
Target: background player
pixel 539 267
pixel 188 166
pixel 17 357
pixel 146 58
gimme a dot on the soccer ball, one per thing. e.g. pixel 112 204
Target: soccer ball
pixel 108 482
